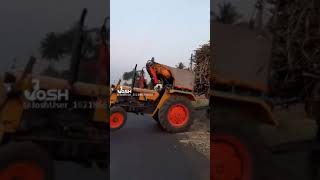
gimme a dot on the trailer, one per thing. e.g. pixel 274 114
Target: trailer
pixel 243 105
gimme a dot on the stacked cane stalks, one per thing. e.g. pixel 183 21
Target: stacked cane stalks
pixel 295 27
pixel 201 69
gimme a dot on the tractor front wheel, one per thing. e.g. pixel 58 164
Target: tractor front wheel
pixel 25 161
pixel 176 115
pixel 118 117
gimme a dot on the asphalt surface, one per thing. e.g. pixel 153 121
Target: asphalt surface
pixel 68 171
pixel 141 151
pixel 292 166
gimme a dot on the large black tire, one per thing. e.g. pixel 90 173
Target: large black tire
pixel 25 161
pixel 164 114
pixel 156 119
pixel 118 118
pixel 239 154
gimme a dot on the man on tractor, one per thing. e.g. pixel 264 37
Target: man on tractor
pixel 170 106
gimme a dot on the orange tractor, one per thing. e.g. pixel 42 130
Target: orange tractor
pixel 169 105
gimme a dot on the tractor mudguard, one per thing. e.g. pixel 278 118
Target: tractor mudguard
pixel 254 107
pixel 169 93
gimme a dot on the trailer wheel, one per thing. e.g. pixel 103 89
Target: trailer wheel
pixel 118 117
pixel 237 154
pixel 176 115
pixel 25 161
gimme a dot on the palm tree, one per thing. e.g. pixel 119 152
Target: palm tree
pixel 227 13
pixel 50 47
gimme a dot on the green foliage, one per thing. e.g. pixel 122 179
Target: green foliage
pixel 128 75
pixel 54 46
pixel 50 48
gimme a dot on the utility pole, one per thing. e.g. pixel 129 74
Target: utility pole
pixel 191 61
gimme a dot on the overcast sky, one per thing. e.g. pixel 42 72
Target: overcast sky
pixel 25 23
pixel 169 30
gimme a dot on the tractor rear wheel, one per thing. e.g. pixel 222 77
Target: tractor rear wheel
pixel 176 115
pixel 25 161
pixel 156 119
pixel 238 154
pixel 118 118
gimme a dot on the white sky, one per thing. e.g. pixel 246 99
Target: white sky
pixel 165 29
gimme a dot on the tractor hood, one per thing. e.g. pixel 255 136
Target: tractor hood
pixel 182 78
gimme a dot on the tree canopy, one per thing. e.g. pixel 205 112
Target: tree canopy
pixel 180 65
pixel 227 13
pixel 54 46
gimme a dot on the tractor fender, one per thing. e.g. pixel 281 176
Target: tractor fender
pixel 169 93
pixel 241 107
pixel 187 94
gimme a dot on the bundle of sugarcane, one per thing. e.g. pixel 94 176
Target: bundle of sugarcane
pixel 202 69
pixel 295 27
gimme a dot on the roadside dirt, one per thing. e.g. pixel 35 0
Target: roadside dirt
pixel 293 126
pixel 199 135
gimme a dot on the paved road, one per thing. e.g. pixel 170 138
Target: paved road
pixel 68 171
pixel 291 166
pixel 141 151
